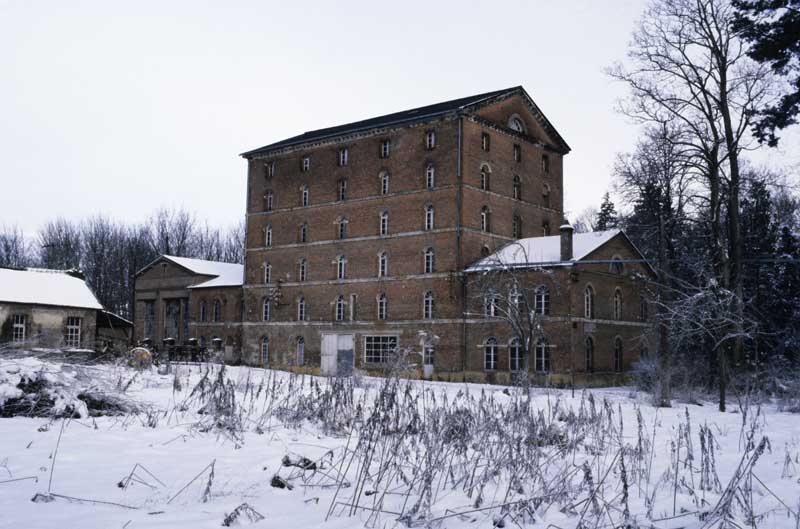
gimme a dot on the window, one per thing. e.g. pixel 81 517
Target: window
pixel 18 331
pixel 589 354
pixel 516 124
pixel 386 146
pixel 542 300
pixel 588 303
pixel 150 317
pixel 265 310
pixel 343 189
pixel 384 223
pixel 485 141
pixel 217 313
pixel 264 351
pixel 428 217
pixel 427 355
pixel 517 188
pixel 269 200
pixel 385 183
pixel 485 219
pixel 542 356
pixel 202 315
pixel 429 260
pixel 382 306
pixel 545 164
pixel 618 354
pixel 304 196
pixel 343 157
pixel 485 178
pixel 617 304
pixel 514 355
pixel 517 153
pixel 427 306
pixel 340 267
pixel 546 228
pixel 303 232
pixel 491 306
pixel 339 311
pixel 305 164
pixel 302 271
pixel 353 306
pixel 546 196
pixel 430 176
pixel 490 355
pixel 617 266
pixel 383 263
pixel 643 309
pixel 378 348
pixel 341 228
pixel 301 309
pixel 267 273
pixel 515 298
pixel 300 350
pixel 268 237
pixel 269 169
pixel 516 227
pixel 485 251
pixel 430 139
pixel 73 334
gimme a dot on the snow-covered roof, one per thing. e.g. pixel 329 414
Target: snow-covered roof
pixel 226 274
pixel 46 287
pixel 543 250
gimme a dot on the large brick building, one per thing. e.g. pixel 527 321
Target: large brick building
pixel 364 237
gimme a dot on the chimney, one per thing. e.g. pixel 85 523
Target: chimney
pixel 566 241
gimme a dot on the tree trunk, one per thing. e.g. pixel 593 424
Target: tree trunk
pixel 664 367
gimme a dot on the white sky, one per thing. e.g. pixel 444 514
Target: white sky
pixel 121 107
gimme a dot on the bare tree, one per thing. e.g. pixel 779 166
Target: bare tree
pixel 14 249
pixel 60 245
pixel 170 232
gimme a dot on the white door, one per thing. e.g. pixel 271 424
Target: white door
pixel 328 355
pixel 345 355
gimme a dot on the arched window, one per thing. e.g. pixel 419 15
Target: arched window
pixel 269 170
pixel 429 260
pixel 485 175
pixel 384 223
pixel 343 189
pixel 304 196
pixel 617 304
pixel 542 300
pixel 517 188
pixel 269 200
pixel 515 298
pixel 265 351
pixel 340 308
pixel 383 264
pixel 427 306
pixel 588 302
pixel 546 195
pixel 265 310
pixel 516 227
pixel 617 266
pixel 428 217
pixel 301 309
pixel 589 354
pixel 485 219
pixel 267 273
pixel 491 305
pixel 202 311
pixel 542 356
pixel 618 354
pixel 515 355
pixel 384 176
pixel 268 236
pixel 430 176
pixel 382 306
pixel 303 232
pixel 490 355
pixel 217 310
pixel 302 271
pixel 300 350
pixel 341 267
pixel 341 228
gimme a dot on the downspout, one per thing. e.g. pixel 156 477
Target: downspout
pixel 244 264
pixel 459 254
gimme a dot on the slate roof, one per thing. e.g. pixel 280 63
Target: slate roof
pixel 406 116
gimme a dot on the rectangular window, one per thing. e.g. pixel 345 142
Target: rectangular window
pixel 353 310
pixel 517 153
pixel 73 335
pixel 386 146
pixel 428 355
pixel 269 169
pixel 343 157
pixel 485 141
pixel 18 335
pixel 430 139
pixel 342 189
pixel 545 164
pixel 150 319
pixel 305 165
pixel 378 348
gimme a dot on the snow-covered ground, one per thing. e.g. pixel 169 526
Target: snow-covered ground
pixel 383 454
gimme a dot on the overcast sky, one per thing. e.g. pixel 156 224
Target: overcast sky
pixel 122 107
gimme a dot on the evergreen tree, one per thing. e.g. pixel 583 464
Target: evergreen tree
pixel 607 217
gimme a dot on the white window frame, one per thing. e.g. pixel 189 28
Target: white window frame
pixel 72 338
pixel 383 306
pixel 427 306
pixel 339 308
pixel 588 302
pixel 386 147
pixel 342 189
pixel 306 164
pixel 383 228
pixel 267 273
pixel 270 169
pixel 542 356
pixel 378 347
pixel 542 300
pixel 485 222
pixel 429 218
pixel 341 267
pixel 301 309
pixel 268 236
pixel 430 139
pixel 430 260
pixel 266 310
pixel 302 273
pixel 490 356
pixel 264 350
pixel 617 304
pixel 304 194
pixel 304 232
pixel 18 331
pixel 270 200
pixel 344 156
pixel 430 176
pixel 383 264
pixel 515 360
pixel 384 182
